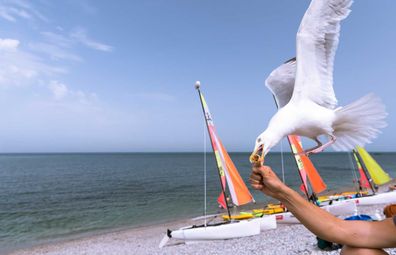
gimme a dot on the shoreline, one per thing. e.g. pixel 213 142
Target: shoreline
pixel 286 239
pixel 92 234
pixel 142 231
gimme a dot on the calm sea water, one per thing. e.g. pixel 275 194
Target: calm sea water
pixel 49 196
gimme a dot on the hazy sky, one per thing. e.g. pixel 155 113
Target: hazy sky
pixel 118 75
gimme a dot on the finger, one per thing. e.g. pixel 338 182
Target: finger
pixel 256 169
pixel 258 164
pixel 251 181
pixel 255 176
pixel 263 170
pixel 257 186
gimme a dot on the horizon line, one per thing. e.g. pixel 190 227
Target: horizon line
pixel 165 152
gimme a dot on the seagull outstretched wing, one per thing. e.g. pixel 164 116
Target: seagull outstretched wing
pixel 317 41
pixel 281 82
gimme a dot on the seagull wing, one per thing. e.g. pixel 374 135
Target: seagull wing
pixel 281 82
pixel 317 41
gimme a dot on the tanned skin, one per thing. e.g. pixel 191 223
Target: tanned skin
pixel 358 237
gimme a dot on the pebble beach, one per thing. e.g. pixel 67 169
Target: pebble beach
pixel 286 239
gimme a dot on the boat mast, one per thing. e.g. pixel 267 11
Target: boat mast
pixel 368 176
pixel 302 180
pixel 197 87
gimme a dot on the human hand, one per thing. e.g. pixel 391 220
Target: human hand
pixel 265 180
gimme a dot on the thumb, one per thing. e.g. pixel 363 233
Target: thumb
pixel 261 170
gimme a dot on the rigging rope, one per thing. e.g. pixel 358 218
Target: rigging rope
pixel 204 171
pixel 282 162
pixel 354 175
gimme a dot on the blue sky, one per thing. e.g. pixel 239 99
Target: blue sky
pixel 80 76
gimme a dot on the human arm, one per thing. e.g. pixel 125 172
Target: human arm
pixel 352 233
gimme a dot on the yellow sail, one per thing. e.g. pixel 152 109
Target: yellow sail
pixel 378 175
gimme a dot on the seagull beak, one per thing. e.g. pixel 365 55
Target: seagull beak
pixel 255 157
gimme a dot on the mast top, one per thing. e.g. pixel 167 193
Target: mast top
pixel 197 84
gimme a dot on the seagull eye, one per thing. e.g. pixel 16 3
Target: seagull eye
pixel 259 140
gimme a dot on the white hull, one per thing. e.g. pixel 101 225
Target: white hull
pixel 229 230
pixel 286 218
pixel 340 208
pixel 381 198
pixel 218 232
pixel 267 222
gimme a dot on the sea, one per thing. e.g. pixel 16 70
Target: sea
pixel 47 197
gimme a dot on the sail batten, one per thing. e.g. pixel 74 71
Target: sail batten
pixel 227 171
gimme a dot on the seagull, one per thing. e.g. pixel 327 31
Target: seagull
pixel 303 90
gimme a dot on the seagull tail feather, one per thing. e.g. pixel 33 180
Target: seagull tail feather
pixel 359 122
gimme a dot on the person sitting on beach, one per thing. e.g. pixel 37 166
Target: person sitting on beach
pixel 358 237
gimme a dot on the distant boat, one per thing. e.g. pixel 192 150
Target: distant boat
pixel 239 195
pixel 371 175
pixel 375 171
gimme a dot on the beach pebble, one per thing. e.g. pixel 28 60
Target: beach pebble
pixel 286 239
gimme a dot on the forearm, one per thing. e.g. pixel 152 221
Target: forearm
pixel 318 221
pixel 328 227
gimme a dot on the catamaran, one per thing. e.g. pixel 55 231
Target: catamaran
pixel 238 193
pixel 371 175
pixel 370 172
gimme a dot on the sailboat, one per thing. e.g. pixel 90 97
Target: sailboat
pixel 375 172
pixel 372 175
pixel 239 195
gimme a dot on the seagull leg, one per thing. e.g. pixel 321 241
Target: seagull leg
pixel 321 147
pixel 309 151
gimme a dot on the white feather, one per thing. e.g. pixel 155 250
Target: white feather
pixel 303 88
pixel 317 41
pixel 359 122
pixel 281 82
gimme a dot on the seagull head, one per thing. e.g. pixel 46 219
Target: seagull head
pixel 261 148
pixel 264 142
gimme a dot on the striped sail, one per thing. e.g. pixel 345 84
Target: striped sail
pixel 228 172
pixel 378 175
pixel 305 166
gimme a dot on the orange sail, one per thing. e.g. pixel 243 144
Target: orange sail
pixel 239 192
pixel 305 166
pixel 227 171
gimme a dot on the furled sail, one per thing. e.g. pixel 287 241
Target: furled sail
pixel 305 166
pixel 228 172
pixel 378 175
